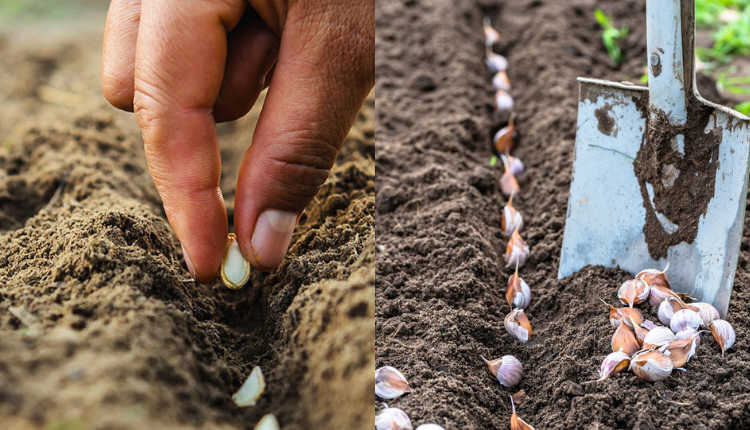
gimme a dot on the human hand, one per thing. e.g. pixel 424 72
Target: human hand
pixel 183 65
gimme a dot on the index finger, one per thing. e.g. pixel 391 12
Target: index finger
pixel 179 66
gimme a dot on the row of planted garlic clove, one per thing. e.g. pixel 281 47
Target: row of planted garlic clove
pixel 248 395
pixel 652 352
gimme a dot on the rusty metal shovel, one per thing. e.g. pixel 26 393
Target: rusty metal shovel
pixel 660 174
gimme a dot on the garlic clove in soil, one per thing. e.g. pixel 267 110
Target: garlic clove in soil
pixel 633 291
pixel 503 100
pixel 517 324
pixel 624 340
pixel 658 337
pixel 392 419
pixel 268 422
pixel 517 251
pixel 651 365
pixel 684 319
pixel 515 422
pixel 235 270
pixel 655 277
pixel 390 383
pixel 508 183
pixel 612 364
pixel 515 164
pixel 505 138
pixel 640 332
pixel 507 369
pixel 512 219
pixel 668 307
pixel 707 312
pixel 658 294
pixel 500 81
pixel 618 314
pixel 251 390
pixel 430 427
pixel 491 36
pixel 679 351
pixel 495 62
pixel 723 333
pixel 519 293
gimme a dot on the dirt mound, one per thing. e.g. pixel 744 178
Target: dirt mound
pixel 441 282
pixel 100 323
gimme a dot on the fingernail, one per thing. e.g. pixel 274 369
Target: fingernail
pixel 188 263
pixel 273 232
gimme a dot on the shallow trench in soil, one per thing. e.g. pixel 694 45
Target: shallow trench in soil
pixel 440 278
pixel 100 323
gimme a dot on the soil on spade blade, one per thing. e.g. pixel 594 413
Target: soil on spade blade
pixel 101 326
pixel 441 281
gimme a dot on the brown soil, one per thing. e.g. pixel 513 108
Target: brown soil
pixel 441 282
pixel 101 326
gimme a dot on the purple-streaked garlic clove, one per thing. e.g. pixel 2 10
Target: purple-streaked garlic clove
pixel 613 364
pixel 723 333
pixel 495 62
pixel 392 419
pixel 658 337
pixel 707 312
pixel 507 369
pixel 655 277
pixel 684 319
pixel 632 292
pixel 651 365
pixel 668 307
pixel 390 383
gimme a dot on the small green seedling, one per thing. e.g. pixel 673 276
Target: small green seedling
pixel 611 36
pixel 743 108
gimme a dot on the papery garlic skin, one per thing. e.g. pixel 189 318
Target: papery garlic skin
pixel 495 62
pixel 623 314
pixel 633 292
pixel 509 184
pixel 651 366
pixel 507 369
pixel 516 252
pixel 624 340
pixel 517 325
pixel 684 319
pixel 515 422
pixel 667 308
pixel 658 336
pixel 654 277
pixel 512 220
pixel 640 332
pixel 658 294
pixel 679 351
pixel 723 333
pixel 390 383
pixel 393 419
pixel 505 138
pixel 268 422
pixel 707 312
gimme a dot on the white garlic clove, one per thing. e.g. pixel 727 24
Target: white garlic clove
pixel 684 319
pixel 495 62
pixel 648 325
pixel 623 314
pixel 515 165
pixel 655 277
pixel 512 219
pixel 268 422
pixel 707 312
pixel 500 81
pixel 251 390
pixel 515 422
pixel 235 270
pixel 519 293
pixel 430 427
pixel 517 251
pixel 651 366
pixel 507 369
pixel 657 337
pixel 390 383
pixel 503 100
pixel 613 364
pixel 509 184
pixel 491 36
pixel 723 333
pixel 624 340
pixel 393 419
pixel 658 294
pixel 633 291
pixel 517 325
pixel 668 307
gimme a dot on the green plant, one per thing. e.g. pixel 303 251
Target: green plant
pixel 743 108
pixel 611 36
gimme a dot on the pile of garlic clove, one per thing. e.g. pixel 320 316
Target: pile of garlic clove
pixel 390 383
pixel 652 352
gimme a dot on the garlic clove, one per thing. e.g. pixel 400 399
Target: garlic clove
pixel 640 332
pixel 515 165
pixel 624 340
pixel 655 277
pixel 515 422
pixel 508 183
pixel 495 62
pixel 658 294
pixel 633 291
pixel 723 333
pixel 390 383
pixel 235 270
pixel 618 314
pixel 392 419
pixel 651 365
pixel 648 325
pixel 685 318
pixel 251 390
pixel 517 324
pixel 679 351
pixel 503 100
pixel 612 364
pixel 500 81
pixel 491 36
pixel 668 307
pixel 268 422
pixel 505 138
pixel 519 293
pixel 707 312
pixel 430 427
pixel 517 251
pixel 507 369
pixel 658 337
pixel 511 219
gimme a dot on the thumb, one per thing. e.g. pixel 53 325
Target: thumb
pixel 326 68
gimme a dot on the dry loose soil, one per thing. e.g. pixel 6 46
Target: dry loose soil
pixel 440 279
pixel 101 326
